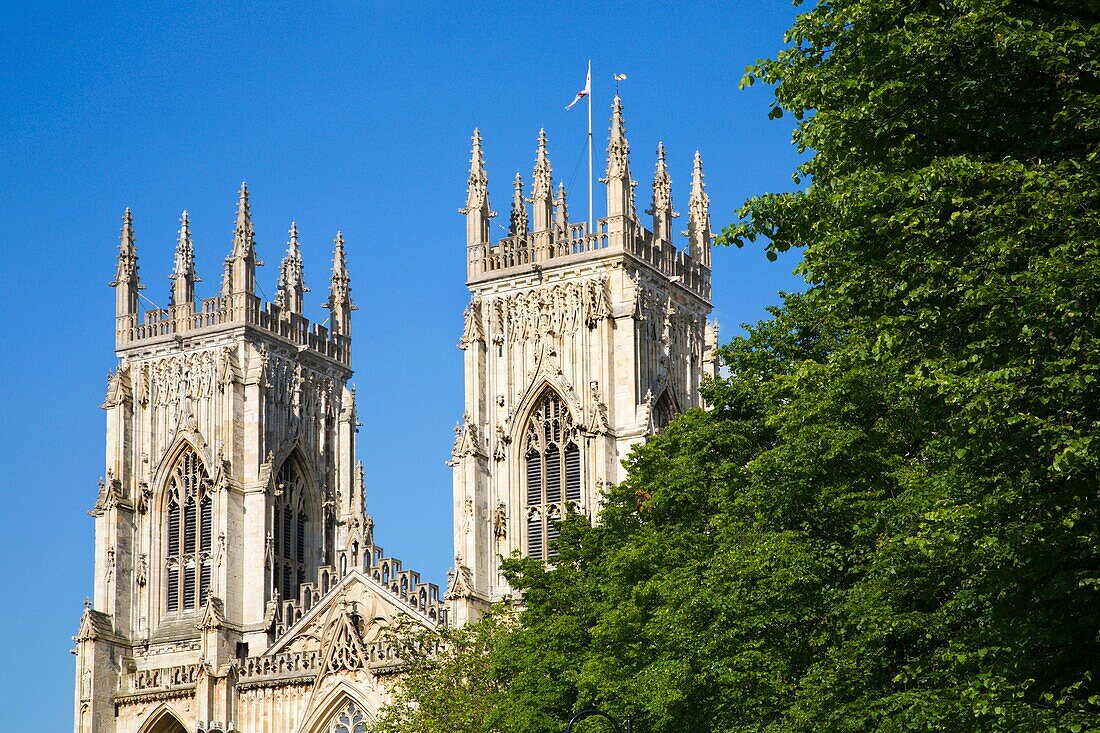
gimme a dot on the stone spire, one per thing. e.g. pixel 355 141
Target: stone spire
pixel 126 282
pixel 477 197
pixel 517 222
pixel 662 198
pixel 243 260
pixel 339 296
pixel 290 293
pixel 620 188
pixel 542 188
pixel 561 212
pixel 698 231
pixel 183 275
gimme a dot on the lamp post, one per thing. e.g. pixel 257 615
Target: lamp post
pixel 589 712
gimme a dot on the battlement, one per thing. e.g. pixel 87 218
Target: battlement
pixel 543 236
pixel 237 304
pixel 241 309
pixel 547 249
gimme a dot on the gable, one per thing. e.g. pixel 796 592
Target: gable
pixel 358 600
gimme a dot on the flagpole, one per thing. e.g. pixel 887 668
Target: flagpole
pixel 590 231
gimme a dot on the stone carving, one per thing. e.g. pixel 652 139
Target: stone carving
pixel 500 521
pixel 500 449
pixel 173 378
pixel 472 329
pixel 597 418
pixel 467 442
pixel 144 494
pixel 345 643
pixel 165 677
pixel 552 309
pixel 460 581
pixel 228 370
pixel 119 391
pixel 142 570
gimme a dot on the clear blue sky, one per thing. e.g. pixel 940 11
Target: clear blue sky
pixel 352 116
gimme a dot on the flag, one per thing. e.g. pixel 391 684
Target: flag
pixel 620 77
pixel 587 87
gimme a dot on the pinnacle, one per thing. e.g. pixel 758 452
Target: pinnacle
pixel 243 243
pixel 617 126
pixel 127 225
pixel 292 245
pixel 127 252
pixel 243 210
pixel 697 176
pixel 662 167
pixel 476 161
pixel 339 258
pixel 339 299
pixel 561 215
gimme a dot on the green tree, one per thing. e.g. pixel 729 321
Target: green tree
pixel 889 519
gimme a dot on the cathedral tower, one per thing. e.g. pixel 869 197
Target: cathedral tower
pixel 577 346
pixel 237 585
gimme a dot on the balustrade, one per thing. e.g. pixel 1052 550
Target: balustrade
pixel 541 248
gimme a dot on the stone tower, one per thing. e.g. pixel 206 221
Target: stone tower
pixel 577 346
pixel 237 585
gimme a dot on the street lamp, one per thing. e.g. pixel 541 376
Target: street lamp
pixel 589 712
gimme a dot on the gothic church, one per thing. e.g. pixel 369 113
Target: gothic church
pixel 237 583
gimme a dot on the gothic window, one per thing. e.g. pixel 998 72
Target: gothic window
pixel 351 719
pixel 190 533
pixel 552 465
pixel 290 531
pixel 663 411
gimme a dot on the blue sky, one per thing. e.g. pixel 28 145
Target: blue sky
pixel 352 116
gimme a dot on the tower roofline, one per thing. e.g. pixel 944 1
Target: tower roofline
pixel 620 232
pixel 237 306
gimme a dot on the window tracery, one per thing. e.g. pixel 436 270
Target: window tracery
pixel 290 530
pixel 552 465
pixel 351 719
pixel 190 532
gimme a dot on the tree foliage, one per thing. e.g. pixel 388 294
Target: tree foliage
pixel 889 519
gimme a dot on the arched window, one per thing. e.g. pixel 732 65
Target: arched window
pixel 552 465
pixel 190 534
pixel 663 411
pixel 290 531
pixel 350 719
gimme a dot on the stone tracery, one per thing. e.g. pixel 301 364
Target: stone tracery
pixel 552 463
pixel 351 719
pixel 289 530
pixel 189 533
